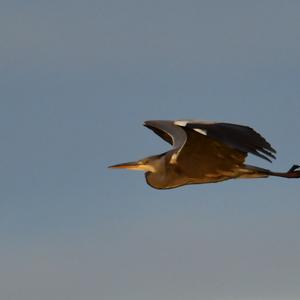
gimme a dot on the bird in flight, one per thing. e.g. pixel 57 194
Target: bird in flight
pixel 204 152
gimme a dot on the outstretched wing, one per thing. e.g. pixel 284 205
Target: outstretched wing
pixel 168 131
pixel 238 137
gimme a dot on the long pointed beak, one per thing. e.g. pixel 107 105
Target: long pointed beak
pixel 134 165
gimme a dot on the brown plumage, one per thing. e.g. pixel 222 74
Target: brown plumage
pixel 204 153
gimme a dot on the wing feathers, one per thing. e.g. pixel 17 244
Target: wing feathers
pixel 239 137
pixel 168 131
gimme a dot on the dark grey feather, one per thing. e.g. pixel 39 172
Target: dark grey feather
pixel 238 137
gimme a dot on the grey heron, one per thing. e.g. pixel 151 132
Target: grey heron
pixel 205 152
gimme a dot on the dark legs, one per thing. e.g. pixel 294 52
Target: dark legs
pixel 293 172
pixel 256 172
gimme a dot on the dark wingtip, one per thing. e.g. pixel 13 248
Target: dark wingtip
pixel 255 152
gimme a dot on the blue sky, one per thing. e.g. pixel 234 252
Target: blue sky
pixel 77 80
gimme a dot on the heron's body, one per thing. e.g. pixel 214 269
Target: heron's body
pixel 204 153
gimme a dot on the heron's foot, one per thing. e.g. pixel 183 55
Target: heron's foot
pixel 293 172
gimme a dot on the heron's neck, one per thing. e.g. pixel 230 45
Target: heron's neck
pixel 159 165
pixel 160 178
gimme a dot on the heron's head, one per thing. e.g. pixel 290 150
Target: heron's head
pixel 148 164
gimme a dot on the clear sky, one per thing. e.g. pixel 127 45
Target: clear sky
pixel 77 80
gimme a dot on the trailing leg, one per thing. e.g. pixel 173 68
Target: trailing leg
pixel 256 172
pixel 293 172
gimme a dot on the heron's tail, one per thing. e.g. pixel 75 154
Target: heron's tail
pixel 293 172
